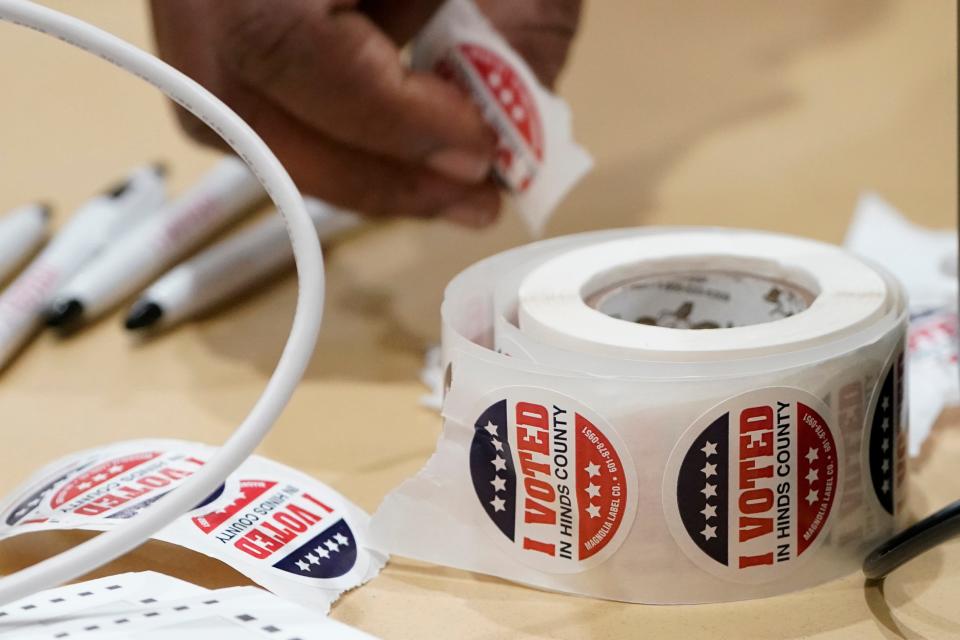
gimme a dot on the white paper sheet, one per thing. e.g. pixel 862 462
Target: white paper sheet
pixel 152 605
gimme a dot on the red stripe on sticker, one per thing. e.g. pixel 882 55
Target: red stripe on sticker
pixel 250 490
pixel 601 488
pixel 817 477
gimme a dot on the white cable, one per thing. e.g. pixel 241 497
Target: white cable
pixel 306 321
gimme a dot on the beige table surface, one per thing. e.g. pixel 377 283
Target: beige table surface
pixel 749 113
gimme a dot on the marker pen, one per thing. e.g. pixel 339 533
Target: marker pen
pixel 21 232
pixel 229 268
pixel 90 229
pixel 221 196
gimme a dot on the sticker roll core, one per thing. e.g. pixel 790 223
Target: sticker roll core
pixel 664 415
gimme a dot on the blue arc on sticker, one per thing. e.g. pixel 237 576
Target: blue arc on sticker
pixel 701 508
pixel 492 469
pixel 329 554
pixel 883 442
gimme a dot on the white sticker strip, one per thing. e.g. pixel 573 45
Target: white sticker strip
pixel 538 161
pixel 152 605
pixel 596 442
pixel 283 529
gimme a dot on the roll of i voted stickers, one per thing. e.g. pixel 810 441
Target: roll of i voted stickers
pixel 663 415
pixel 537 160
pixel 284 530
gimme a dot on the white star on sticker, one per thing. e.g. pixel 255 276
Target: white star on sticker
pixel 709 511
pixel 498 504
pixel 499 484
pixel 709 470
pixel 303 566
pixel 885 424
pixel 100 477
pixel 885 487
pixel 592 469
pixel 342 540
pixel 491 428
pixel 593 510
pixel 885 444
pixel 499 463
pixel 593 490
pixel 320 551
pixel 812 475
pixel 333 546
pixel 812 454
pixel 812 496
pixel 709 532
pixel 709 490
pixel 885 466
pixel 84 485
pixel 886 403
pixel 709 449
pixel 497 445
pixel 117 468
pixel 312 558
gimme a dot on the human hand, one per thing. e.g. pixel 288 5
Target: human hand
pixel 323 83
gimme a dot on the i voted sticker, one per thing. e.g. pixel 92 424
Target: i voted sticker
pixel 279 524
pixel 554 483
pixel 749 490
pixel 120 486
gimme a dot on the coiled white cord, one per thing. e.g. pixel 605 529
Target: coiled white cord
pixel 306 321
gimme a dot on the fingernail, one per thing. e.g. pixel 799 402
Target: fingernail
pixel 469 216
pixel 466 166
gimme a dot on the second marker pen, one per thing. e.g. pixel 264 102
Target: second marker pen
pixel 225 192
pixel 230 267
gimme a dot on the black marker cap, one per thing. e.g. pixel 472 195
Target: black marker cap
pixel 161 168
pixel 65 315
pixel 118 189
pixel 143 314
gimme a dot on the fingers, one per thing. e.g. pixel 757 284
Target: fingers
pixel 354 179
pixel 341 76
pixel 182 40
